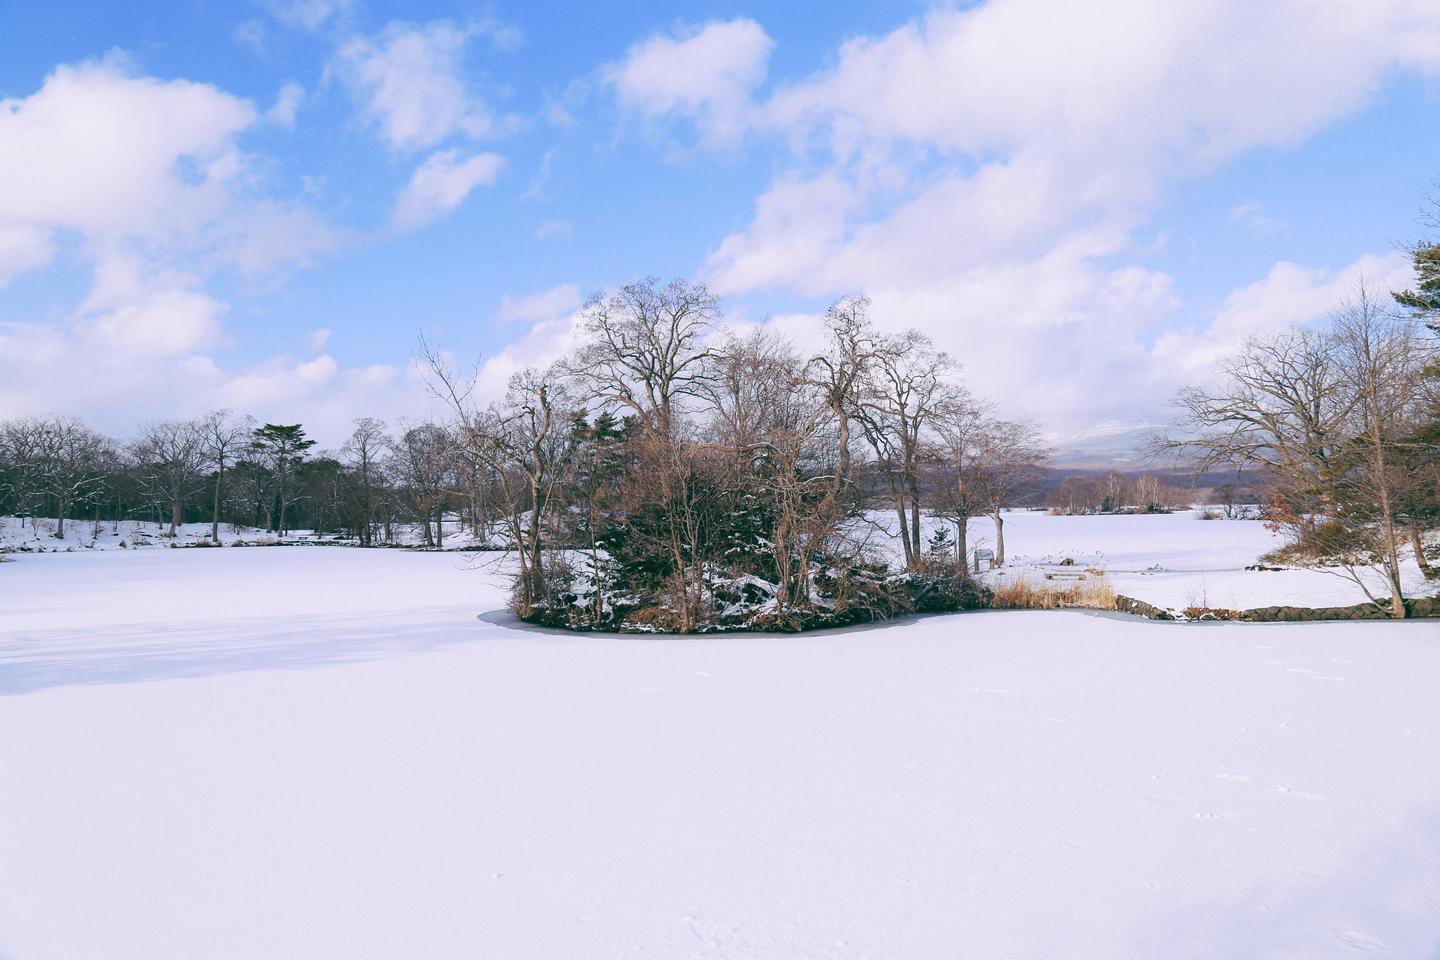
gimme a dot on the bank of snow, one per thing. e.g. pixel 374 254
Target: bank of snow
pixel 307 753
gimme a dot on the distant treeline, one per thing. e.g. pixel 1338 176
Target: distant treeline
pixel 226 468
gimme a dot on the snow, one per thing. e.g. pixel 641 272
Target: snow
pixel 1178 560
pixel 299 753
pixel 38 535
pixel 21 534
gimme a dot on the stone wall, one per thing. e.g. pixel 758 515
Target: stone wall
pixel 1418 607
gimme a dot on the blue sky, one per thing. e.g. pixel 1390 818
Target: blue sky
pixel 262 205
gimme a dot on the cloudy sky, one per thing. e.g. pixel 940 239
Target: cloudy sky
pixel 263 206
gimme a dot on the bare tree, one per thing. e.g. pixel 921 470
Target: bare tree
pixel 525 441
pixel 961 429
pixel 897 407
pixel 1076 496
pixel 223 436
pixel 645 348
pixel 1118 491
pixel 1382 371
pixel 422 458
pixel 170 455
pixel 1011 453
pixel 840 373
pixel 363 452
pixel 51 464
pixel 23 451
pixel 1327 414
pixel 749 389
pixel 1281 404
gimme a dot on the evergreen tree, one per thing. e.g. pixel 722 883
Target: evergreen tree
pixel 281 448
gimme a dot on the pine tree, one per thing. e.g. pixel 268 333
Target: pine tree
pixel 281 448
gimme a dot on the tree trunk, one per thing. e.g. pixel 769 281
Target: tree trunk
pixel 999 538
pixel 962 548
pixel 1417 544
pixel 176 508
pixel 1387 520
pixel 915 517
pixel 215 507
pixel 904 531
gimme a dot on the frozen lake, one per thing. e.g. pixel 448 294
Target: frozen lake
pixel 305 752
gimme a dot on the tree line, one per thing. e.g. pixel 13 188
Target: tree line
pixel 1115 492
pixel 224 468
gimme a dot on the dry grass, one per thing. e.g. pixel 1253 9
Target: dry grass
pixel 1024 593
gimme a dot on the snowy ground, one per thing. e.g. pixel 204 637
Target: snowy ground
pixel 1178 560
pixel 39 535
pixel 19 534
pixel 295 753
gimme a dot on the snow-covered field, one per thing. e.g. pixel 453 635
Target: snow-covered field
pixel 300 753
pixel 1178 560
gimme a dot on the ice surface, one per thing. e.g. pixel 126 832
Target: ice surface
pixel 304 752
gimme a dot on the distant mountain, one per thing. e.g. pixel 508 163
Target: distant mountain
pixel 1109 444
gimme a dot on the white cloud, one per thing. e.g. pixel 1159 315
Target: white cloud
pixel 135 311
pixel 308 15
pixel 1288 294
pixel 278 381
pixel 77 370
pixel 166 323
pixel 1056 338
pixel 251 34
pixel 707 73
pixel 146 180
pixel 1186 83
pixel 23 247
pixel 441 184
pixel 556 303
pixel 982 169
pixel 544 344
pixel 103 151
pixel 261 237
pixel 554 332
pixel 1252 216
pixel 118 157
pixel 799 226
pixel 287 105
pixel 555 229
pixel 410 84
pixel 316 339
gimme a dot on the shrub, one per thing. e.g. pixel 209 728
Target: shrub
pixel 1022 593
